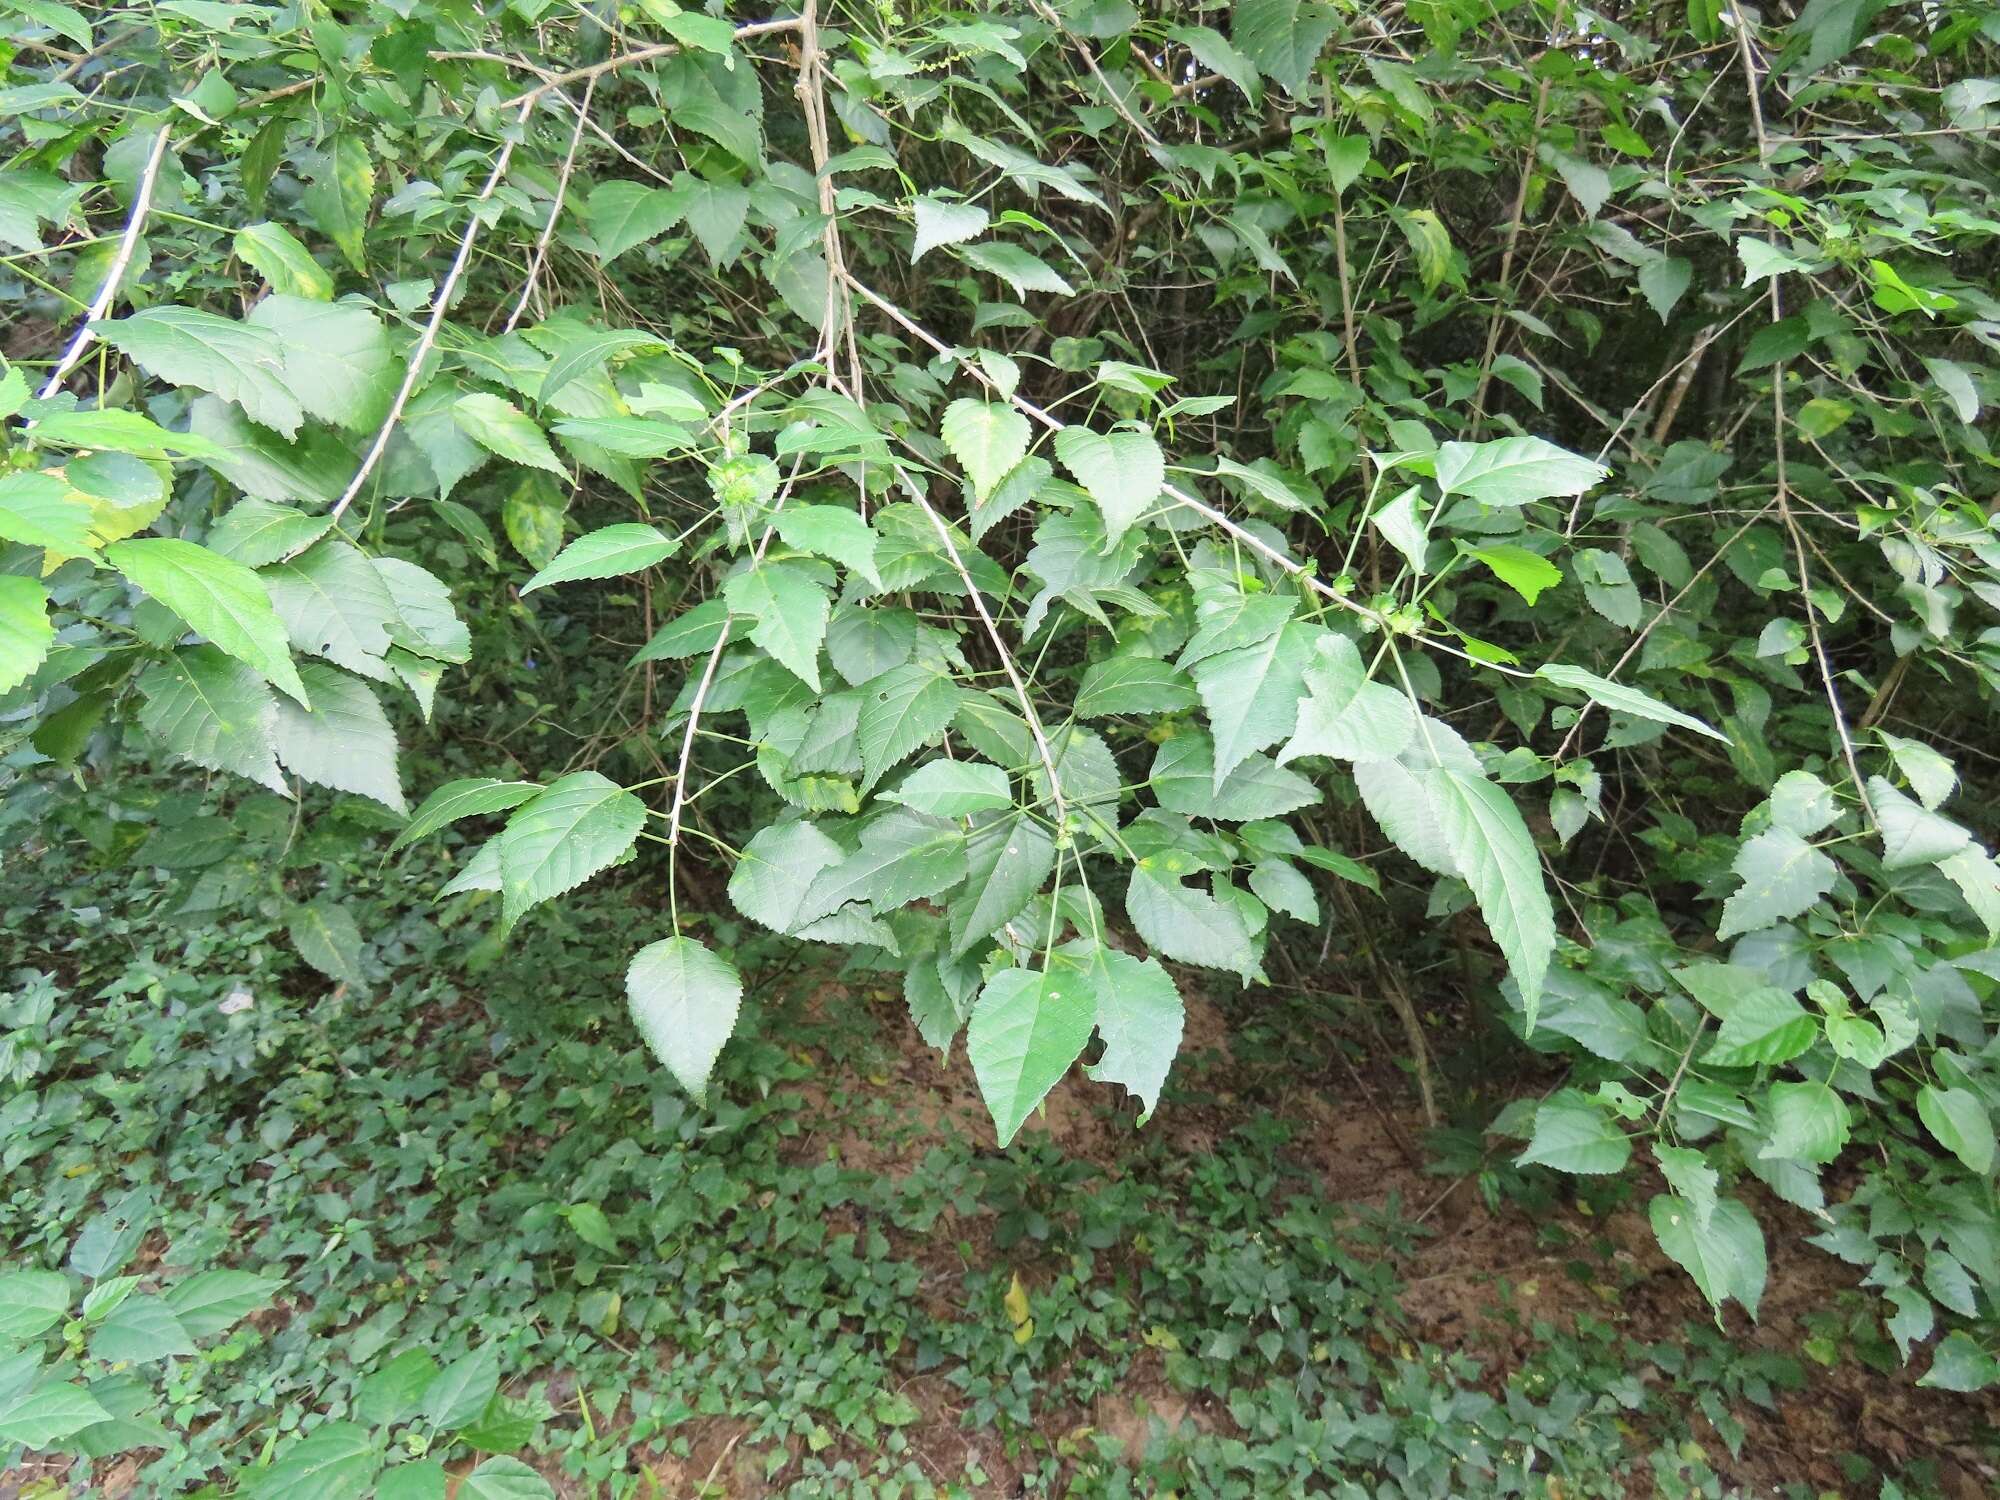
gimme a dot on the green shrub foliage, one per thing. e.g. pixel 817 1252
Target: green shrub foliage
pixel 1093 499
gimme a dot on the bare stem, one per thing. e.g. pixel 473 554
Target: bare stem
pixel 555 209
pixel 440 304
pixel 142 200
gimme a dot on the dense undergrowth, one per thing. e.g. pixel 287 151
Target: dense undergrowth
pixel 818 1287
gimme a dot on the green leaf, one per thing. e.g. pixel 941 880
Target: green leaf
pixel 423 1479
pixel 1140 1017
pixel 37 510
pixel 217 598
pixel 213 712
pixel 581 824
pixel 31 1303
pixel 1183 781
pixel 275 253
pixel 789 611
pixel 1026 1030
pixel 715 212
pixel 1912 835
pixel 1760 1023
pixel 1513 471
pixel 1252 692
pixel 1783 877
pixel 904 856
pixel 1527 573
pixel 1808 1123
pixel 953 788
pixel 40 1416
pixel 468 797
pixel 1188 925
pixel 901 710
pixel 1405 528
pixel 1132 684
pixel 1495 855
pixel 1589 184
pixel 1430 245
pixel 1951 378
pixel 1122 471
pixel 591 1226
pixel 1960 1123
pixel 626 437
pixel 395 1392
pixel 624 215
pixel 1960 1365
pixel 1344 715
pixel 344 741
pixel 501 427
pixel 1802 803
pixel 831 531
pixel 337 360
pixel 777 869
pixel 140 1330
pixel 691 633
pixel 502 1477
pixel 335 1461
pixel 609 552
pixel 1689 1174
pixel 257 533
pixel 1006 862
pixel 587 355
pixel 1663 281
pixel 423 622
pixel 1762 260
pixel 988 438
pixel 240 362
pixel 25 631
pixel 462 1389
pixel 684 1001
pixel 1723 1250
pixel 325 934
pixel 209 1302
pixel 1574 1134
pixel 1625 700
pixel 61 19
pixel 334 604
pixel 1214 53
pixel 340 194
pixel 1282 37
pixel 943 221
pixel 120 432
pixel 1023 272
pixel 1930 775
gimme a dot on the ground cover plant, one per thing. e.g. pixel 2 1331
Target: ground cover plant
pixel 1472 521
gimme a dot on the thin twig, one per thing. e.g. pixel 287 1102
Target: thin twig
pixel 441 303
pixel 1750 80
pixel 1562 750
pixel 555 210
pixel 1201 508
pixel 142 200
pixel 1090 62
pixel 555 81
pixel 1513 240
pixel 714 661
pixel 1006 659
pixel 1783 502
